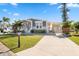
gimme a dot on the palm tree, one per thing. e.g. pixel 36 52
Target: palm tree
pixel 17 26
pixel 66 22
pixel 5 19
pixel 64 12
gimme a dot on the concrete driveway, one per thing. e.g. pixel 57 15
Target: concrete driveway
pixel 52 46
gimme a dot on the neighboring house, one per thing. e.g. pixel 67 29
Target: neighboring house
pixel 31 25
pixel 4 26
pixel 8 29
pixel 0 24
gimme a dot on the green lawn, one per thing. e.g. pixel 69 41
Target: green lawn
pixel 26 41
pixel 75 39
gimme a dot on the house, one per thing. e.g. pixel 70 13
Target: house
pixel 34 25
pixel 57 27
pixel 39 26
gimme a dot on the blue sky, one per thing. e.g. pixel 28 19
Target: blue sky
pixel 45 11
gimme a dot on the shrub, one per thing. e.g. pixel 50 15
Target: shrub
pixel 1 30
pixel 38 31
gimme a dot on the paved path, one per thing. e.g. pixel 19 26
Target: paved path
pixel 6 51
pixel 52 46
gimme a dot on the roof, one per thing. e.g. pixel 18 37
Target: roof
pixel 34 19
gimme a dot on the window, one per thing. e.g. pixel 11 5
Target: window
pixel 40 26
pixel 37 26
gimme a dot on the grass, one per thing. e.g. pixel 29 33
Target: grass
pixel 26 41
pixel 75 39
pixel 74 33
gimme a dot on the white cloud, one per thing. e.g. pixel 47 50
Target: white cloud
pixel 14 4
pixel 52 4
pixel 44 11
pixel 68 13
pixel 2 3
pixel 70 5
pixel 16 14
pixel 9 13
pixel 73 5
pixel 59 6
pixel 4 10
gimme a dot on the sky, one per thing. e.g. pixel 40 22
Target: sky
pixel 45 11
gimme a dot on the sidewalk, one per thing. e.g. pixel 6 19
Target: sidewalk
pixel 52 46
pixel 6 51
